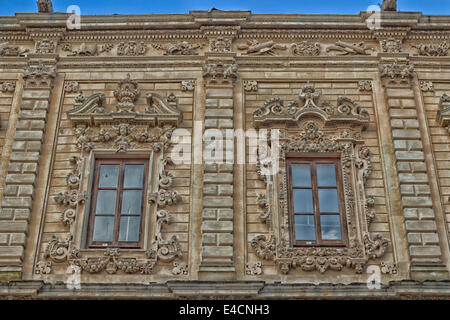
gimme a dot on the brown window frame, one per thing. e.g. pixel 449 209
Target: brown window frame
pixel 312 161
pixel 116 243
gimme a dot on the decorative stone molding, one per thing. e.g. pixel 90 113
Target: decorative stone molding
pixel 251 85
pixel 324 129
pixel 365 85
pixel 389 267
pixel 181 48
pixel 131 48
pixel 274 111
pixel 45 6
pixel 432 50
pixel 397 74
pixel 11 50
pixel 45 46
pixel 87 49
pixel 8 86
pixel 180 268
pixel 253 268
pixel 220 73
pixel 443 114
pixel 426 86
pixel 187 85
pixel 345 48
pixel 39 76
pixel 391 45
pixel 254 47
pixel 306 48
pixel 126 94
pixel 220 45
pixel 71 87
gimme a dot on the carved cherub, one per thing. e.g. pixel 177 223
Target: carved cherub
pixel 388 5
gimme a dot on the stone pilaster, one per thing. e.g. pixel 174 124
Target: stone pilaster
pixel 419 214
pixel 217 255
pixel 21 177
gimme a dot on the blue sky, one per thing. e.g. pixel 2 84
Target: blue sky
pixel 9 7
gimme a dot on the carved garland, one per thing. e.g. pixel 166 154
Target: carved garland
pixel 319 125
pixel 121 130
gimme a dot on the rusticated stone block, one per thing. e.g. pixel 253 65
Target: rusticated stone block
pixel 13 226
pixel 217 252
pixel 425 251
pixel 217 202
pixel 421 225
pixel 21 178
pixel 19 202
pixel 218 178
pixel 33 114
pixel 417 202
pixel 217 226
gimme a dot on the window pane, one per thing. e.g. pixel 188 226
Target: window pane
pixel 134 176
pixel 301 175
pixel 326 175
pixel 103 229
pixel 331 227
pixel 303 201
pixel 106 202
pixel 129 229
pixel 304 227
pixel 131 202
pixel 328 200
pixel 109 175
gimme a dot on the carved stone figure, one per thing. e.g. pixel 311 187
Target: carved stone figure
pixel 220 72
pixel 45 6
pixel 253 47
pixel 388 5
pixel 10 50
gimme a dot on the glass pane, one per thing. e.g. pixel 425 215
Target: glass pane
pixel 331 227
pixel 109 175
pixel 326 175
pixel 129 229
pixel 106 202
pixel 303 201
pixel 131 202
pixel 328 200
pixel 134 176
pixel 304 228
pixel 103 229
pixel 301 175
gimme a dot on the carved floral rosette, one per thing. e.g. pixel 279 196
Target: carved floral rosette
pixel 333 133
pixel 95 128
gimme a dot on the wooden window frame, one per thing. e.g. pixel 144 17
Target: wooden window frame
pixel 312 161
pixel 92 214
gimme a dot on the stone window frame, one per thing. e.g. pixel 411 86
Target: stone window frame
pixel 310 127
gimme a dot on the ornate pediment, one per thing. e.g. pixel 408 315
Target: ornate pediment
pixel 157 111
pixel 309 105
pixel 443 115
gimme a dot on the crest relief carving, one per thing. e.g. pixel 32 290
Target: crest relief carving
pixel 120 128
pixel 309 125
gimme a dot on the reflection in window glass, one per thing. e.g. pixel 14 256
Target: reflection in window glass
pixel 131 202
pixel 106 202
pixel 328 200
pixel 109 176
pixel 303 201
pixel 304 227
pixel 103 228
pixel 326 175
pixel 129 228
pixel 331 227
pixel 301 175
pixel 134 176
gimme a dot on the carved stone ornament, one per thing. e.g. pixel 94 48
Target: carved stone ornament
pixel 219 73
pixel 306 49
pixel 443 114
pixel 432 50
pixel 426 86
pixel 251 85
pixel 39 76
pixel 274 111
pixel 391 45
pixel 220 45
pixel 187 85
pixel 253 268
pixel 344 48
pixel 45 6
pixel 388 268
pixel 182 48
pixel 45 46
pixel 87 49
pixel 131 48
pixel 8 86
pixel 396 73
pixel 254 47
pixel 11 50
pixel 365 85
pixel 321 132
pixel 71 86
pixel 389 5
pixel 127 128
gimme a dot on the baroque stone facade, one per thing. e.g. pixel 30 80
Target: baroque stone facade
pixel 203 82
